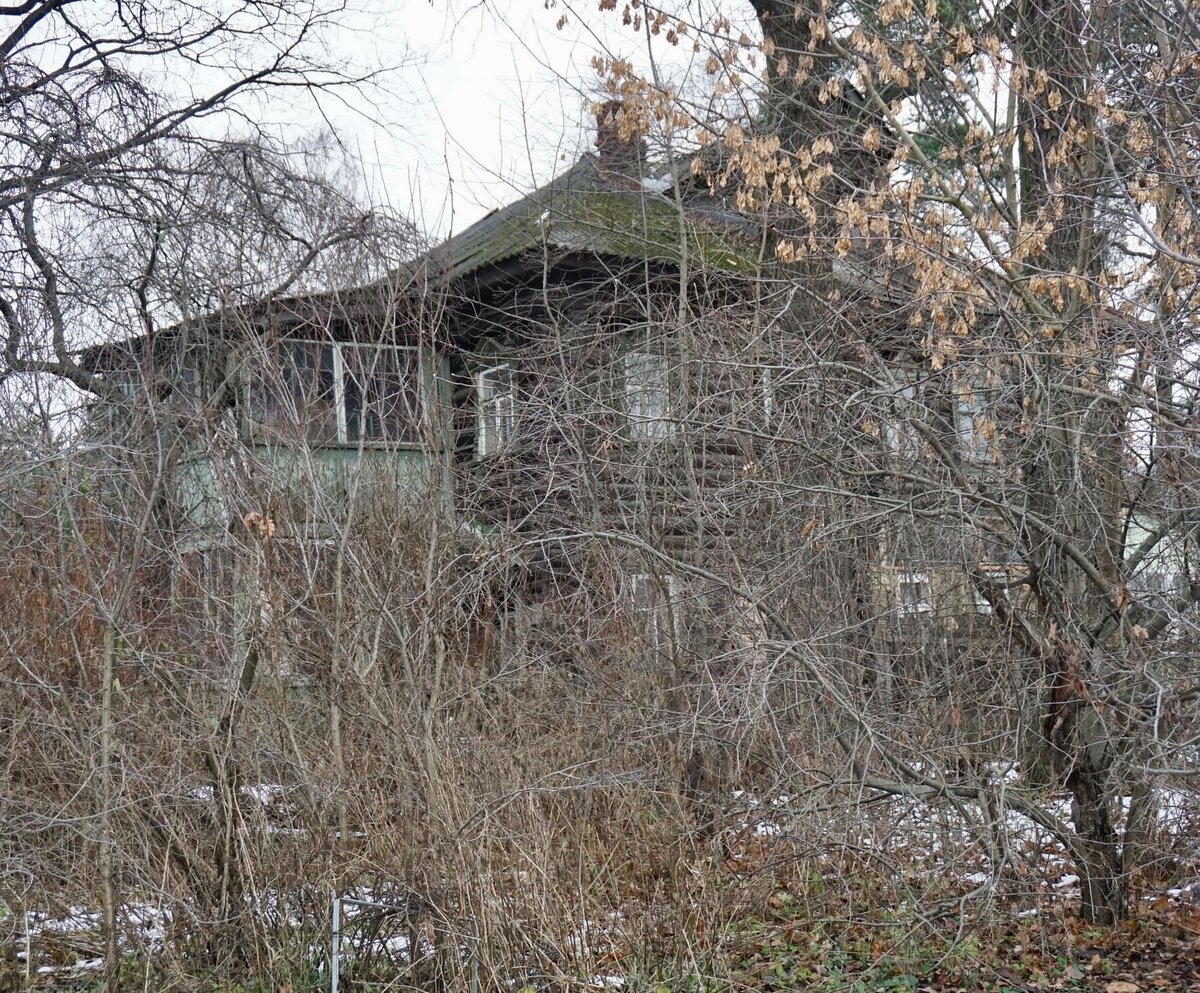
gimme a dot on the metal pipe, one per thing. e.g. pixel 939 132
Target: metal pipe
pixel 335 940
pixel 335 944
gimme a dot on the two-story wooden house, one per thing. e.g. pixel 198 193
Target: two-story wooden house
pixel 525 378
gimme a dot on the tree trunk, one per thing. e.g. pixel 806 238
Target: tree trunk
pixel 107 860
pixel 221 758
pixel 1078 501
pixel 1098 853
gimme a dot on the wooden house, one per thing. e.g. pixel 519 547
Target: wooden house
pixel 591 379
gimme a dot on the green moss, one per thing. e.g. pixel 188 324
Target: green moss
pixel 629 225
pixel 646 227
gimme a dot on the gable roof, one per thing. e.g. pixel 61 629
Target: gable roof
pixel 583 211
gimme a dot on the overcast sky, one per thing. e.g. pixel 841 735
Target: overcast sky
pixel 495 99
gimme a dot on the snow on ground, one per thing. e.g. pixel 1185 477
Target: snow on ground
pixel 956 838
pixel 77 931
pixel 950 840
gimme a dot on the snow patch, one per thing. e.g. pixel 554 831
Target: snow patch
pixel 657 184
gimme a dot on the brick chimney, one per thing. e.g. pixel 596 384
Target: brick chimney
pixel 620 157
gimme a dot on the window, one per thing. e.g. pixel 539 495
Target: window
pixel 982 604
pixel 656 599
pixel 766 394
pixel 915 595
pixel 332 393
pixel 496 420
pixel 1157 583
pixel 993 578
pixel 973 426
pixel 647 394
pixel 898 434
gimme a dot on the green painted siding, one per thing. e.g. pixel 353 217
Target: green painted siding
pixel 308 491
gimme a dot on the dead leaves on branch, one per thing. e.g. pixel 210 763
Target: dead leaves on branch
pixel 950 208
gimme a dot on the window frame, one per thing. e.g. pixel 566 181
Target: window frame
pixel 495 429
pixel 408 437
pixel 656 426
pixel 983 606
pixel 656 600
pixel 918 606
pixel 969 411
pixel 766 388
pixel 900 438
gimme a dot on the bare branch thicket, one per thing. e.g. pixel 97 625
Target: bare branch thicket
pixel 986 215
pixel 894 572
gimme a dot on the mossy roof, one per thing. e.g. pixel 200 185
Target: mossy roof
pixel 577 212
pixel 580 212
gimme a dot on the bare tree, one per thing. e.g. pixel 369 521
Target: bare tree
pixel 139 185
pixel 141 191
pixel 988 204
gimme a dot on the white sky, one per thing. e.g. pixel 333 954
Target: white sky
pixel 498 104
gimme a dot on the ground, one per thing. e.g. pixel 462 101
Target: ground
pixel 891 895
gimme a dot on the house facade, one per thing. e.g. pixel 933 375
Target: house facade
pixel 448 387
pixel 596 382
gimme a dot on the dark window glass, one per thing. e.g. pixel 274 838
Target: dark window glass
pixel 382 393
pixel 327 393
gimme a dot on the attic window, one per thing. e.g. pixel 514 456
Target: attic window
pixel 331 393
pixel 496 414
pixel 647 396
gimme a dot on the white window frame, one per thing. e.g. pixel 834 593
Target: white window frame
pixel 766 390
pixel 339 394
pixel 495 411
pixel 656 598
pixel 341 420
pixel 970 412
pixel 898 435
pixel 647 396
pixel 920 605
